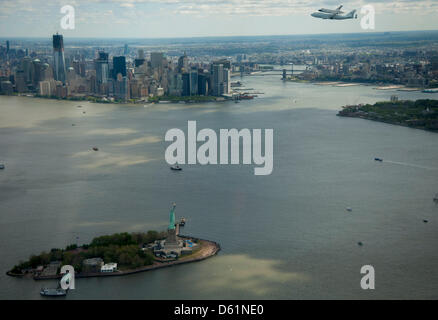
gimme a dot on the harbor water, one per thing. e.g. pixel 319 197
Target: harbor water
pixel 286 235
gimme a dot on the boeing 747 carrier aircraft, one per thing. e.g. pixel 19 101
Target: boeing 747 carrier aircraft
pixel 336 14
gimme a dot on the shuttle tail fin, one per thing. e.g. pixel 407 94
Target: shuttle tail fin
pixel 352 14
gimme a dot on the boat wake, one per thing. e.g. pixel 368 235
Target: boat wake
pixel 410 165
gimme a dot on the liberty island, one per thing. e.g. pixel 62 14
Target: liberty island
pixel 131 253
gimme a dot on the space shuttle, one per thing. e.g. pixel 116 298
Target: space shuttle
pixel 335 14
pixel 337 10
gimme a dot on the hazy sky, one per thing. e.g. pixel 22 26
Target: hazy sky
pixel 192 18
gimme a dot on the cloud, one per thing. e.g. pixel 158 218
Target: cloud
pixel 117 17
pixel 210 7
pixel 109 132
pixel 132 142
pixel 247 274
pixel 291 7
pixel 99 159
pixel 127 5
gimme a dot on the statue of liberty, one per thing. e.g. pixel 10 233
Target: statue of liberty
pixel 172 238
pixel 172 217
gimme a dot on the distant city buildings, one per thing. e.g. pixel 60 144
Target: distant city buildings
pixel 110 76
pixel 140 74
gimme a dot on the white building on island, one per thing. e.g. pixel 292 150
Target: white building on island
pixel 109 267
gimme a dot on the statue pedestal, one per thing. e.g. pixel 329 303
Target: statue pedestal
pixel 172 238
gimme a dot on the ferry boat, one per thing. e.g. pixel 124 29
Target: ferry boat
pixel 430 90
pixel 53 292
pixel 56 292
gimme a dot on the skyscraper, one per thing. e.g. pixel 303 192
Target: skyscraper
pixel 58 58
pixel 175 84
pixel 121 88
pixel 102 68
pixel 217 77
pixel 102 72
pixel 194 82
pixel 157 59
pixel 26 66
pixel 226 81
pixel 119 66
pixel 140 60
pixel 186 84
pixel 183 63
pixel 203 84
pixel 220 79
pixel 36 71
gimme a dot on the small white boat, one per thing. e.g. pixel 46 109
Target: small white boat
pixel 176 167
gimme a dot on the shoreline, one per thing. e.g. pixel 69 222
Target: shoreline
pixel 387 122
pixel 208 250
pixel 164 100
pixel 418 114
pixel 375 85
